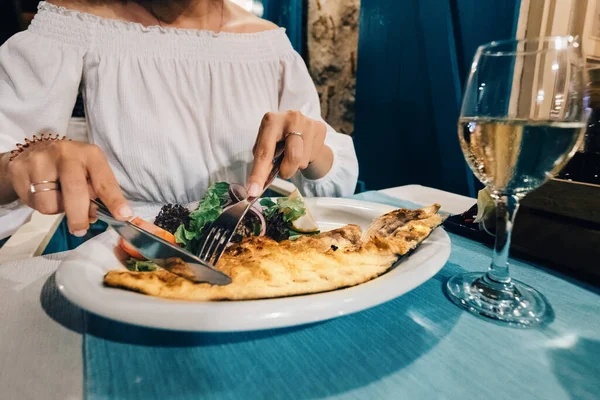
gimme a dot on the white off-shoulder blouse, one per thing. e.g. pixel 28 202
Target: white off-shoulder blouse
pixel 173 109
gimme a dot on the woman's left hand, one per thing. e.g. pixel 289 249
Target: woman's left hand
pixel 305 151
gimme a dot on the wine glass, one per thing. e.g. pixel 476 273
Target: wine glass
pixel 523 117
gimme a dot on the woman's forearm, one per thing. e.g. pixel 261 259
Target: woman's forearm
pixel 7 193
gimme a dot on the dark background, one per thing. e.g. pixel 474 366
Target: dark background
pixel 9 20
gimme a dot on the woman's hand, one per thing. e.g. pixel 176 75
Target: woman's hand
pixel 306 152
pixel 83 173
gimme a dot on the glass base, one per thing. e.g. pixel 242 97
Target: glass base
pixel 513 303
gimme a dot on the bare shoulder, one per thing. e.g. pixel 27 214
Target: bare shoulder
pixel 101 8
pixel 242 21
pixel 79 5
pixel 238 19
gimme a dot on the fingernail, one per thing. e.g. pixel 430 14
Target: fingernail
pixel 93 220
pixel 125 211
pixel 254 190
pixel 80 233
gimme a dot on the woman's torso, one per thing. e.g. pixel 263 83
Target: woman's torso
pixel 174 110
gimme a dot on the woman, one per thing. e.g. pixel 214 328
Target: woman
pixel 178 94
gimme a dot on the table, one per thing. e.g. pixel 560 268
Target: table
pixel 41 339
pixel 12 216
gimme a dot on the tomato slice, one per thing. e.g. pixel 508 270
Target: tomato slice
pixel 130 250
pixel 149 227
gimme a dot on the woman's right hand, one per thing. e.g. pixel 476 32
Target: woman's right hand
pixel 83 173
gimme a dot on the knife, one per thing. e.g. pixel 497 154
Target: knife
pixel 168 256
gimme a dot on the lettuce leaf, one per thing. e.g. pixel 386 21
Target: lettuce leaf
pixel 270 210
pixel 292 209
pixel 294 233
pixel 268 203
pixel 280 215
pixel 141 266
pixel 208 210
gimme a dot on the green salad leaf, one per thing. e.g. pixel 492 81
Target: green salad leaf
pixel 292 209
pixel 268 203
pixel 141 266
pixel 279 216
pixel 271 208
pixel 208 210
pixel 294 233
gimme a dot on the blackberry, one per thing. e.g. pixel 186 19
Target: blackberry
pixel 171 216
pixel 277 228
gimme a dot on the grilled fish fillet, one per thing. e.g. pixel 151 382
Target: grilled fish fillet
pixel 263 268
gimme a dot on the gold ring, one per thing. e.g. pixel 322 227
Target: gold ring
pixel 294 133
pixel 54 186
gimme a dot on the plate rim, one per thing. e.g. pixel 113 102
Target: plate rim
pixel 321 307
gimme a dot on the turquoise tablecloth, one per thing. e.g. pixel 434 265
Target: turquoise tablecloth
pixel 419 346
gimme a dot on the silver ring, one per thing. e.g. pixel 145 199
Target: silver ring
pixel 33 187
pixel 294 133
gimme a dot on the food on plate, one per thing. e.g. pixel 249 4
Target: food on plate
pixel 279 220
pixel 261 267
pixel 171 216
pixel 283 215
pixel 304 223
pixel 147 226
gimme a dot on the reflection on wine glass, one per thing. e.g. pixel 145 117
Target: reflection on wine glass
pixel 522 118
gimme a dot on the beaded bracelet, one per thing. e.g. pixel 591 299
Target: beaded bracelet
pixel 44 137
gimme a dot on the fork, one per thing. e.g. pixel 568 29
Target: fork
pixel 223 228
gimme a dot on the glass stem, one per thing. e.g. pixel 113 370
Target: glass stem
pixel 506 210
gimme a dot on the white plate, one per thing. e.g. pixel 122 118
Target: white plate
pixel 80 276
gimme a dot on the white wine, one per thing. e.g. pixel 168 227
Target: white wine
pixel 513 157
